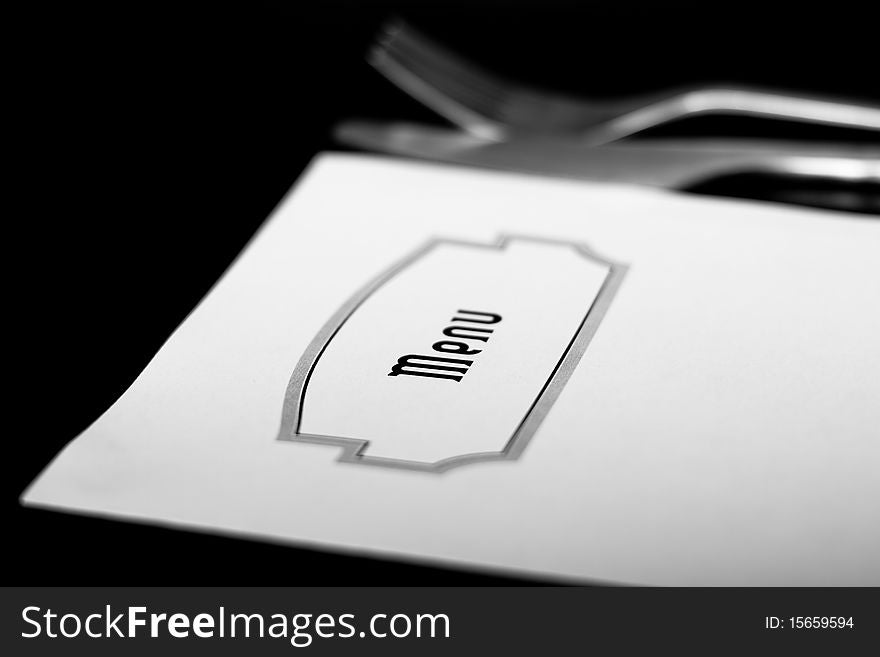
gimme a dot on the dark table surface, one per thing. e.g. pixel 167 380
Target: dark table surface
pixel 157 139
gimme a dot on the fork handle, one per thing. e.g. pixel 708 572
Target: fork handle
pixel 742 102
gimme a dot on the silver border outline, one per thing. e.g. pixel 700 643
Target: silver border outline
pixel 352 448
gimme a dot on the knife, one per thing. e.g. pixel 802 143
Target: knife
pixel 672 164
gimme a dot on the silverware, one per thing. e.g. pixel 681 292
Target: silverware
pixel 675 164
pixel 494 108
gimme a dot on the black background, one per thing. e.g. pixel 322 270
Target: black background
pixel 153 139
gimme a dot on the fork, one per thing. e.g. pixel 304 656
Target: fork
pixel 494 108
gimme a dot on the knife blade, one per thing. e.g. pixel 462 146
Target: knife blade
pixel 672 164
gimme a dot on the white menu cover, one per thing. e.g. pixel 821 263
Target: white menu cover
pixel 594 382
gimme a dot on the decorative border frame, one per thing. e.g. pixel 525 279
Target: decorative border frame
pixel 352 448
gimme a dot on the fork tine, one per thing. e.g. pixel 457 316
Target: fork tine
pixel 410 42
pixel 446 105
pixel 449 81
pixel 443 83
pixel 465 93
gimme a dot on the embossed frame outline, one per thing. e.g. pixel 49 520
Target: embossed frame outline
pixel 353 448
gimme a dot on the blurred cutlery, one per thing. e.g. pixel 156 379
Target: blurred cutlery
pixel 494 108
pixel 675 164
